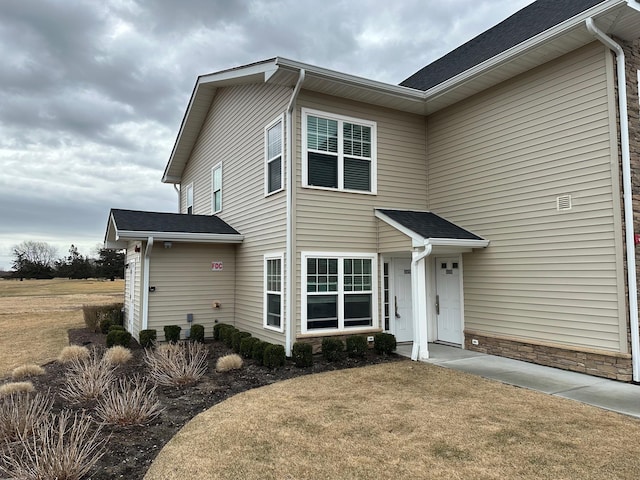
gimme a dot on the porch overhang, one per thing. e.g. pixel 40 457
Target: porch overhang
pixel 428 229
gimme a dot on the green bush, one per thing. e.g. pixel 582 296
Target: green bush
pixel 384 343
pixel 257 353
pixel 148 338
pixel 226 335
pixel 236 338
pixel 332 349
pixel 172 333
pixel 246 346
pixel 95 314
pixel 302 354
pixel 105 325
pixel 118 337
pixel 274 356
pixel 357 346
pixel 197 333
pixel 116 327
pixel 217 328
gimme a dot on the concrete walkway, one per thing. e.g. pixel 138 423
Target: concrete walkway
pixel 608 394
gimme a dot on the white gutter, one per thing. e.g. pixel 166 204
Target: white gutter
pixel 145 284
pixel 420 348
pixel 289 255
pixel 180 236
pixel 627 192
pixel 175 187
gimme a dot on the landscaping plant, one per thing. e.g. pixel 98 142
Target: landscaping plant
pixel 332 349
pixel 148 338
pixel 117 355
pixel 25 371
pixel 131 402
pixel 229 362
pixel 88 378
pixel 118 337
pixel 302 354
pixel 274 356
pixel 177 364
pixel 384 343
pixel 172 333
pixel 357 346
pixel 20 413
pixel 72 353
pixel 197 333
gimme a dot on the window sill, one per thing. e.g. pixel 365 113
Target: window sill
pixel 334 332
pixel 328 189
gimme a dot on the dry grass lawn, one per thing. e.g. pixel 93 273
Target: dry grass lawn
pixel 401 421
pixel 39 312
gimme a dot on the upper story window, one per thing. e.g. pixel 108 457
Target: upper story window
pixel 189 201
pixel 339 152
pixel 216 188
pixel 273 152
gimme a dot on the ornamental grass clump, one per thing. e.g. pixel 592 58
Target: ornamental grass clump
pixel 20 413
pixel 117 355
pixel 131 402
pixel 73 353
pixel 229 362
pixel 26 371
pixel 177 364
pixel 16 387
pixel 88 378
pixel 63 447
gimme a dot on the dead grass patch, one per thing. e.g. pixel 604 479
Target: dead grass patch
pixel 26 371
pixel 16 387
pixel 39 312
pixel 401 421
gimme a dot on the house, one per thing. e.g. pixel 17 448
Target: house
pixel 486 202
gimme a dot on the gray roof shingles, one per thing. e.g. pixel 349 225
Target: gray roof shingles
pixel 138 221
pixel 429 225
pixel 522 25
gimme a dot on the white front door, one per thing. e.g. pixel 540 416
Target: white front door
pixel 132 295
pixel 448 300
pixel 401 307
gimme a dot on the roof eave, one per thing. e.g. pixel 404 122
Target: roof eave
pixel 186 237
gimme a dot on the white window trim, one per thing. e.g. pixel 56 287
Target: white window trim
pixel 267 160
pixel 213 202
pixel 273 256
pixel 340 118
pixel 186 198
pixel 340 256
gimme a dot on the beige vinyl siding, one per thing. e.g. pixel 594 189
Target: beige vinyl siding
pixel 185 283
pixel 391 240
pixel 234 135
pixel 133 257
pixel 496 164
pixel 345 222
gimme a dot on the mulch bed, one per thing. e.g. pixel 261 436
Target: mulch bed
pixel 131 450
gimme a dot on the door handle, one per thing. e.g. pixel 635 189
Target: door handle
pixel 437 304
pixel 396 305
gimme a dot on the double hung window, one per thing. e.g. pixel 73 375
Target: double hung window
pixel 273 291
pixel 273 161
pixel 189 199
pixel 339 152
pixel 339 291
pixel 216 188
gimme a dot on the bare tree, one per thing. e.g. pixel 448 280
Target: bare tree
pixel 34 259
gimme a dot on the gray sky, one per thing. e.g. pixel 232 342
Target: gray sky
pixel 92 92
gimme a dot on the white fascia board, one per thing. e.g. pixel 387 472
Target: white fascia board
pixel 520 49
pixel 456 242
pixel 416 239
pixel 180 236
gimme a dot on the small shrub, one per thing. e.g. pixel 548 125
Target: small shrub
pixel 105 325
pixel 91 317
pixel 116 327
pixel 172 333
pixel 226 335
pixel 236 338
pixel 87 378
pixel 16 387
pixel 257 353
pixel 302 354
pixel 197 333
pixel 384 343
pixel 63 447
pixel 118 337
pixel 132 402
pixel 357 346
pixel 117 355
pixel 332 349
pixel 20 413
pixel 246 346
pixel 25 371
pixel 177 364
pixel 73 353
pixel 274 356
pixel 148 338
pixel 229 362
pixel 217 329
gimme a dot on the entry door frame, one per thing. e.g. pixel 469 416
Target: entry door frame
pixel 393 263
pixel 435 265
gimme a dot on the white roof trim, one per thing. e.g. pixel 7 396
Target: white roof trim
pixel 180 236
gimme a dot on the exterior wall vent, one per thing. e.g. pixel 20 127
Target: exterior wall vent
pixel 563 202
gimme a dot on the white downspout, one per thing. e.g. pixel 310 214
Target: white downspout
pixel 627 193
pixel 289 255
pixel 145 284
pixel 175 187
pixel 420 348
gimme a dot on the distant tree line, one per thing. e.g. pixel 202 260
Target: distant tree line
pixel 38 260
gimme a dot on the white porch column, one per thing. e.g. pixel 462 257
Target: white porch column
pixel 420 349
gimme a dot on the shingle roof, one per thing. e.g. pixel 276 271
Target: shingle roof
pixel 522 25
pixel 429 225
pixel 138 221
